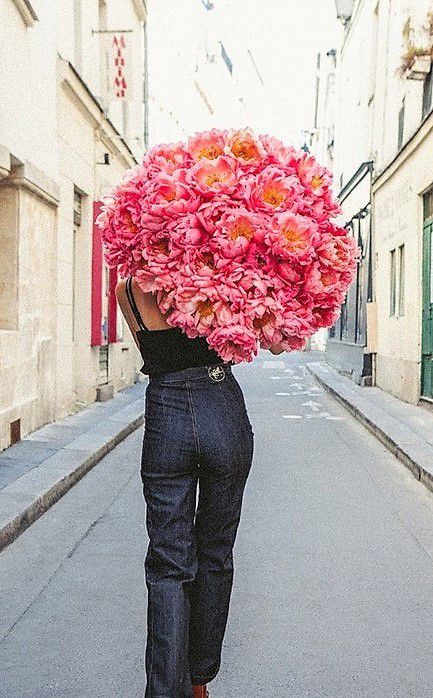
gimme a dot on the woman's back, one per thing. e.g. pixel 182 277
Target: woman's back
pixel 163 348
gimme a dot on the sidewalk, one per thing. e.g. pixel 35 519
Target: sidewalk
pixel 405 429
pixel 37 471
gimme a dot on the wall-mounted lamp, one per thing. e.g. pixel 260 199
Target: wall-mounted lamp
pixel 106 160
pixel 344 10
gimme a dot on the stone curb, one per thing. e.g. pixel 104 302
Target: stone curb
pixel 409 447
pixel 31 495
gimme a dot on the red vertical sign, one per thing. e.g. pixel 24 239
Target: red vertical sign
pixel 96 333
pixel 101 334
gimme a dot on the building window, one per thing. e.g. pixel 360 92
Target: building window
pixel 401 125
pixel 427 94
pixel 428 205
pixel 397 275
pixel 393 283
pixel 76 243
pixel 401 273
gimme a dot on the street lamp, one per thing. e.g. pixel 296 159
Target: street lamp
pixel 344 9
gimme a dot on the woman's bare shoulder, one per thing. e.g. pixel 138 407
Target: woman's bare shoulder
pixel 120 287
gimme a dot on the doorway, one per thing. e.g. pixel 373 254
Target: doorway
pixel 427 299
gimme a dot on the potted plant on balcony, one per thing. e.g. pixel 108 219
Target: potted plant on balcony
pixel 416 60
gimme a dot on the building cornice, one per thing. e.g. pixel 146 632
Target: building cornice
pixel 27 177
pixel 140 9
pixel 26 11
pixel 353 20
pixel 411 145
pixel 80 93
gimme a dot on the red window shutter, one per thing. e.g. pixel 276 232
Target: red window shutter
pixel 96 333
pixel 112 306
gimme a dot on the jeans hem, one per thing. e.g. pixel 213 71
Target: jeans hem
pixel 201 680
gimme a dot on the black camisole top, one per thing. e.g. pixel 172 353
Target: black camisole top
pixel 169 349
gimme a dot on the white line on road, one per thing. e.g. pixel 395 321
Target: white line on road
pixel 273 364
pixel 315 406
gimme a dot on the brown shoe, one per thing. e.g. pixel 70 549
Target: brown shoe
pixel 200 691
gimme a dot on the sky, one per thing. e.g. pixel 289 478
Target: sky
pixel 284 37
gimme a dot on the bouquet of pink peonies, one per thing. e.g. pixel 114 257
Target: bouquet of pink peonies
pixel 232 231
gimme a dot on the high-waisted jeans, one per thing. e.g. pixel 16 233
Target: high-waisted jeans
pixel 196 430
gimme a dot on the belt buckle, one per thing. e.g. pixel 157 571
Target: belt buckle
pixel 216 373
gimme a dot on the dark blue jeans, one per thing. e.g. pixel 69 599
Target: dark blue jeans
pixel 196 431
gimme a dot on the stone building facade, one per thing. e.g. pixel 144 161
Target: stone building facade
pixel 66 137
pixel 382 165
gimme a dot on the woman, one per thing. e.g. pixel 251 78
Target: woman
pixel 197 430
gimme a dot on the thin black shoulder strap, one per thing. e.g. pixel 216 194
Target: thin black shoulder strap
pixel 133 304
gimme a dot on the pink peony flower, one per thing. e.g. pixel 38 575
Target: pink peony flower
pixel 272 190
pixel 313 176
pixel 245 147
pixel 293 236
pixel 214 176
pixel 234 343
pixel 233 233
pixel 210 144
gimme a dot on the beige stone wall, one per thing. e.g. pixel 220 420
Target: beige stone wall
pixel 27 350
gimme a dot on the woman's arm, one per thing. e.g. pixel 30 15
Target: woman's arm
pixel 276 349
pixel 125 308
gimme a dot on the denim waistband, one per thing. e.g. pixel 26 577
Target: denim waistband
pixel 192 373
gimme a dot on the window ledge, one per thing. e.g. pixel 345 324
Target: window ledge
pixel 27 12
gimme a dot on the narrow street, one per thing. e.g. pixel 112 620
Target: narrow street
pixel 333 566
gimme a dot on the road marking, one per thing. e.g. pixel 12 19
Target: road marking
pixel 312 415
pixel 273 364
pixel 315 406
pixel 276 378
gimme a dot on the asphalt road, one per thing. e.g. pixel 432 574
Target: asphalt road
pixel 333 566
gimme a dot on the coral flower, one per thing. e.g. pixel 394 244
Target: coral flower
pixel 280 153
pixel 168 196
pixel 321 280
pixel 338 252
pixel 243 145
pixel 313 175
pixel 273 191
pixel 293 236
pixel 214 176
pixel 234 232
pixel 209 144
pixel 234 343
pixel 166 157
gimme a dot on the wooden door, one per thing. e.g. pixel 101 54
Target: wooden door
pixel 427 300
